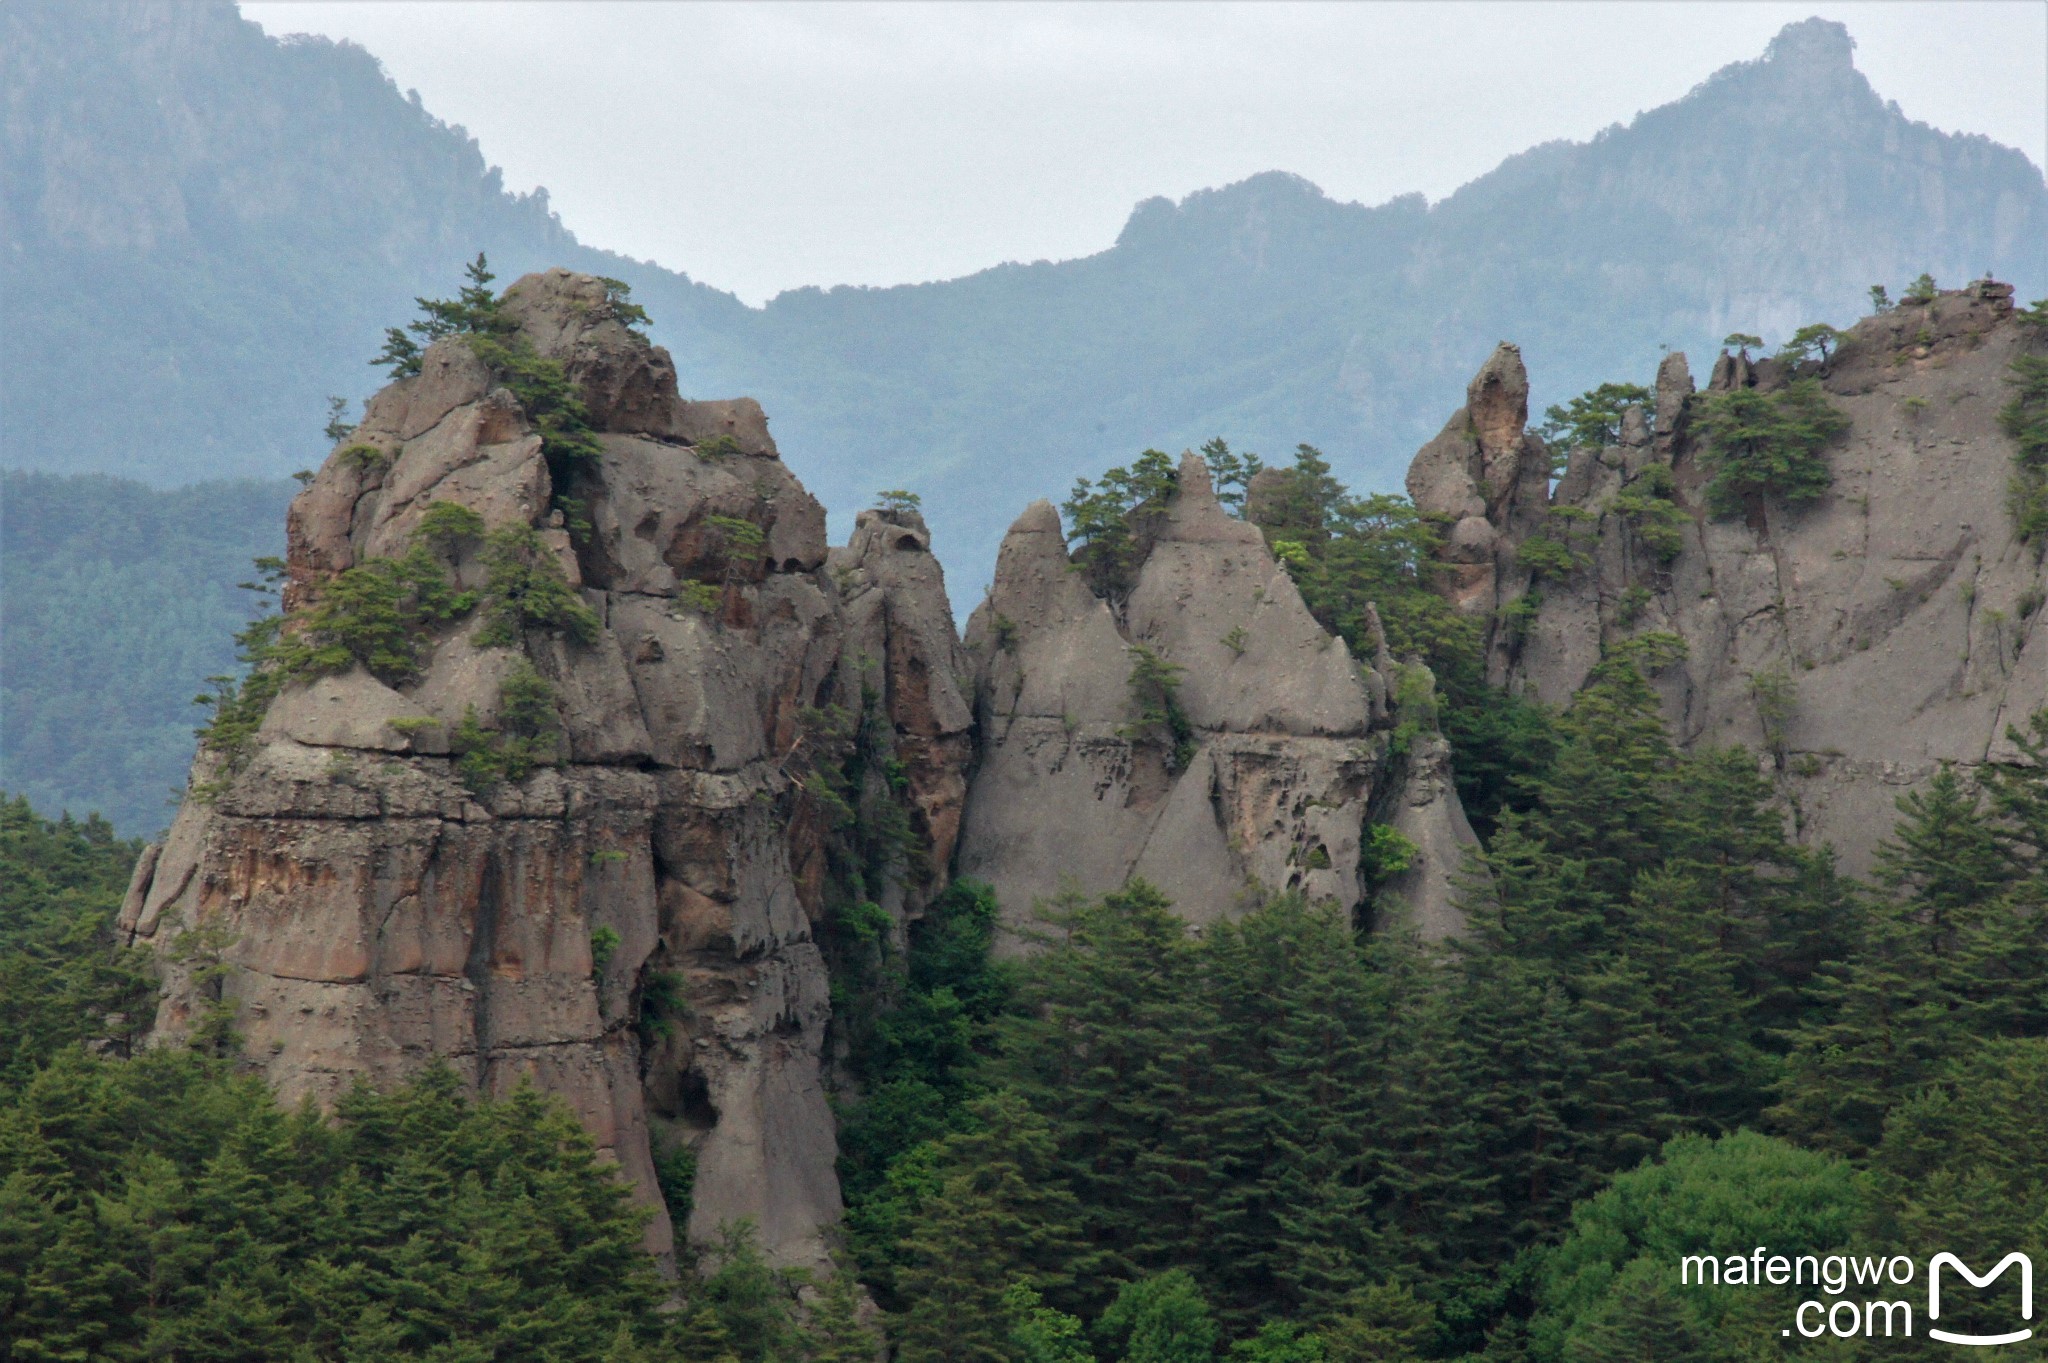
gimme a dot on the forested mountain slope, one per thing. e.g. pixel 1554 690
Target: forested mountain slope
pixel 118 601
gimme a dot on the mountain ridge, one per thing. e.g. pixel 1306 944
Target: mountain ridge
pixel 1264 311
pixel 1379 311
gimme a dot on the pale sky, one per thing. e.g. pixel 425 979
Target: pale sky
pixel 762 147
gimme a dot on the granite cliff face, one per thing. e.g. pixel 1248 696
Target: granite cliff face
pixel 630 926
pixel 1287 747
pixel 1858 641
pixel 578 825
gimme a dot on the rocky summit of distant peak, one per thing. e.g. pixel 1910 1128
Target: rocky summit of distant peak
pixel 1813 46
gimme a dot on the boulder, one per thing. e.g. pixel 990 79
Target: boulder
pixel 352 710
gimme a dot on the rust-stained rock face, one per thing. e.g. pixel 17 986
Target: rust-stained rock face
pixel 631 927
pixel 1857 642
pixel 1289 746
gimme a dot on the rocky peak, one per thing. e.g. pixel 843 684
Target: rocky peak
pixel 1490 478
pixel 900 639
pixel 624 916
pixel 1484 461
pixel 1497 408
pixel 1856 642
pixel 1206 734
pixel 1673 390
pixel 1195 516
pixel 1807 74
pixel 1813 47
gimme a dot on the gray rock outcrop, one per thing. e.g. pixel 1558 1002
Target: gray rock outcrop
pixel 1856 642
pixel 1487 476
pixel 1288 749
pixel 631 926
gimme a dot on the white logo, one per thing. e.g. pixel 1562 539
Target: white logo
pixel 2026 1296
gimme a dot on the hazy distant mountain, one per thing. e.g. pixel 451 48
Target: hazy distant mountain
pixel 207 229
pixel 119 602
pixel 1772 195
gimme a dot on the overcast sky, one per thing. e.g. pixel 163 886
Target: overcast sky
pixel 760 147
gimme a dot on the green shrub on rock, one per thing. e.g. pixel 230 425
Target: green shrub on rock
pixel 525 588
pixel 377 614
pixel 527 735
pixel 1155 688
pixel 1766 445
pixel 447 526
pixel 1648 507
pixel 2025 419
pixel 1110 518
pixel 1592 420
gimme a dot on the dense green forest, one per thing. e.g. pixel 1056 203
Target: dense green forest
pixel 1295 1138
pixel 118 601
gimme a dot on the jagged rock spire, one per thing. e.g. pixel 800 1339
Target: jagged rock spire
pixel 1284 750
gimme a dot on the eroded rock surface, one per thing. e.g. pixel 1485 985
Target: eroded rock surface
pixel 633 924
pixel 1487 477
pixel 630 927
pixel 1857 642
pixel 1289 746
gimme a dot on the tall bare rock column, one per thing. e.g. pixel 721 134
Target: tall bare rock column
pixel 629 927
pixel 1489 477
pixel 1290 747
pixel 1857 642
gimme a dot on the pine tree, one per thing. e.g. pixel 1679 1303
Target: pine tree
pixel 1384 1323
pixel 1959 1166
pixel 750 1301
pixel 1914 992
pixel 1606 800
pixel 62 980
pixel 1664 1016
pixel 473 311
pixel 1001 1214
pixel 1326 1181
pixel 1104 1032
pixel 1212 1173
pixel 1040 1334
pixel 1514 1073
pixel 1650 1324
pixel 1159 1319
pixel 834 1331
